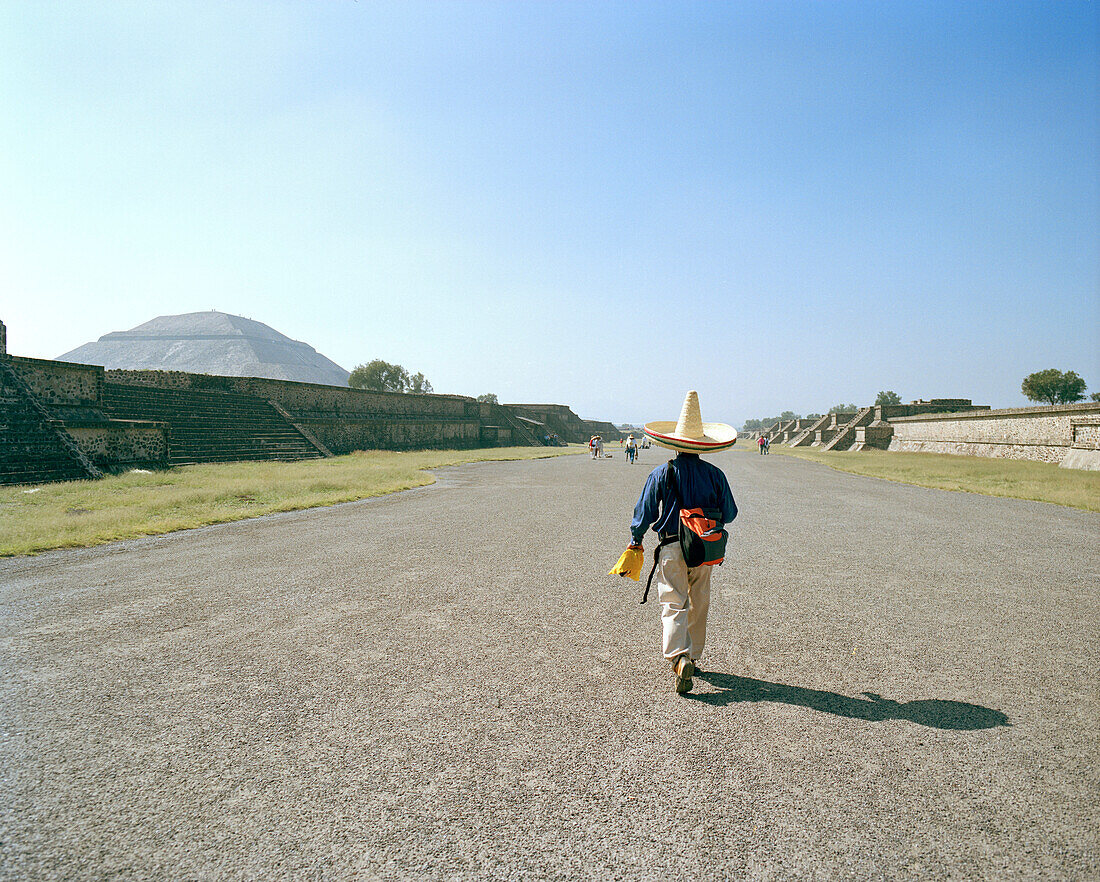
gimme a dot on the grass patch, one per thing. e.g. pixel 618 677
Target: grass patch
pixel 78 514
pixel 1014 478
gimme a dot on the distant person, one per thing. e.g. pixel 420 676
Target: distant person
pixel 760 442
pixel 767 445
pixel 631 449
pixel 599 447
pixel 592 446
pixel 686 482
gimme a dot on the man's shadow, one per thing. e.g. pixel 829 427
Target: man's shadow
pixel 875 708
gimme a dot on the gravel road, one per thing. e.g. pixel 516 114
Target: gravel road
pixel 900 683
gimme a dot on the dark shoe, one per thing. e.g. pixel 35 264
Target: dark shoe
pixel 683 669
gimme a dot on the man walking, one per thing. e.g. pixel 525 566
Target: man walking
pixel 683 591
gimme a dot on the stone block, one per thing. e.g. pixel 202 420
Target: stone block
pixel 118 444
pixel 61 383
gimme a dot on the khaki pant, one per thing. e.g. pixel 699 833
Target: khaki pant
pixel 684 594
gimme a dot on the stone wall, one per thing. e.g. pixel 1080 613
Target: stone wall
pixel 873 436
pixel 1045 434
pixel 1085 452
pixel 117 445
pixel 61 383
pixel 341 418
pixel 347 432
pixel 496 436
pixel 300 399
pixel 1086 433
pixel 936 405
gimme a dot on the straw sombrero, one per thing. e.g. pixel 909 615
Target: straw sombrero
pixel 690 434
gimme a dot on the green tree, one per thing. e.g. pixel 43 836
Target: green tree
pixel 1095 396
pixel 381 376
pixel 888 398
pixel 844 408
pixel 813 416
pixel 488 398
pixel 768 422
pixel 378 376
pixel 1053 387
pixel 418 384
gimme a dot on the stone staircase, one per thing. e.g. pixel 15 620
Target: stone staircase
pixel 33 450
pixel 211 426
pixel 806 437
pixel 558 427
pixel 846 436
pixel 522 435
pixel 776 431
pixel 834 423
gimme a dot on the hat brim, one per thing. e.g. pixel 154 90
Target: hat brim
pixel 715 437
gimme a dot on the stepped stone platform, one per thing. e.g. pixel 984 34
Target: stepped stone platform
pixel 501 426
pixel 53 413
pixel 793 429
pixel 845 436
pixel 211 426
pixel 32 450
pixel 834 422
pixel 869 427
pixel 807 436
pixel 560 420
pixel 878 432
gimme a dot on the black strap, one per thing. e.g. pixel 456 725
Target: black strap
pixel 670 480
pixel 656 557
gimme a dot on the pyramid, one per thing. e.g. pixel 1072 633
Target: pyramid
pixel 210 343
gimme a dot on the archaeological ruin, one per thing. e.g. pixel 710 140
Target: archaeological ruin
pixel 210 343
pixel 1067 434
pixel 116 407
pixel 63 420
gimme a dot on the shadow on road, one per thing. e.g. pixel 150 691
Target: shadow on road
pixel 927 712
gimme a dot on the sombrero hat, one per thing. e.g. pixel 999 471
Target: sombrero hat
pixel 690 434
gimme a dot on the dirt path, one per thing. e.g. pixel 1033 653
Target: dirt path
pixel 443 684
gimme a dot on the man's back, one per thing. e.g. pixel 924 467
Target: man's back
pixel 697 484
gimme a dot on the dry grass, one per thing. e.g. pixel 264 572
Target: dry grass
pixel 77 514
pixel 1014 478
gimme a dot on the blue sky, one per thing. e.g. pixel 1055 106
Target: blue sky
pixel 783 205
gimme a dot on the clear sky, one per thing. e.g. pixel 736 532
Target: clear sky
pixel 783 205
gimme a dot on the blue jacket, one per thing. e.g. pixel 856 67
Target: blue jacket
pixel 698 485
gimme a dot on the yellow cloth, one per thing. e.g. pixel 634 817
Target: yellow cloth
pixel 630 564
